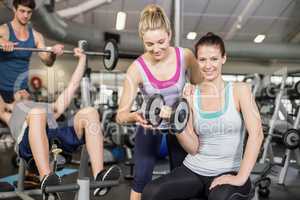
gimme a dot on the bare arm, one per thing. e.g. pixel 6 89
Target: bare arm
pixel 188 138
pixel 64 99
pixel 47 58
pixel 3 33
pixel 4 114
pixel 130 87
pixel 4 39
pixel 192 66
pixel 253 125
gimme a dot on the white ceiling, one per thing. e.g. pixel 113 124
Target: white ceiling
pixel 278 19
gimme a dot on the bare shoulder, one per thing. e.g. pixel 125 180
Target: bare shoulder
pixel 133 72
pixel 187 52
pixel 242 91
pixel 4 30
pixel 242 86
pixel 37 34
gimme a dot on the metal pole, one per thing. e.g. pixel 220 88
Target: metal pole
pixel 84 189
pixel 267 143
pixel 177 20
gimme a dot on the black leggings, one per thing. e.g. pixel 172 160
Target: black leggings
pixel 183 184
pixel 146 152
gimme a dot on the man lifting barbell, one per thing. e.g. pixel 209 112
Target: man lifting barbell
pixel 17 42
pixel 33 125
pixel 19 33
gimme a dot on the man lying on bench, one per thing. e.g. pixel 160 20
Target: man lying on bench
pixel 33 125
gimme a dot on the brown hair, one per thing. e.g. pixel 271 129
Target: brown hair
pixel 26 3
pixel 211 39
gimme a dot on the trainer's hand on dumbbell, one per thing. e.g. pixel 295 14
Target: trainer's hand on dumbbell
pixel 8 46
pixel 58 49
pixel 188 90
pixel 139 119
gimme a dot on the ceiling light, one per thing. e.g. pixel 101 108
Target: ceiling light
pixel 121 20
pixel 259 38
pixel 191 35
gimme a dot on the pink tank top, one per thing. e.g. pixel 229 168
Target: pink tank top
pixel 169 89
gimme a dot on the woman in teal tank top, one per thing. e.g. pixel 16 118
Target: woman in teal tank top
pixel 216 167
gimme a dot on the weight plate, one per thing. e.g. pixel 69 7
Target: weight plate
pixel 110 61
pixel 180 115
pixel 152 110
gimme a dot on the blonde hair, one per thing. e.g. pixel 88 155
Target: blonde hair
pixel 153 17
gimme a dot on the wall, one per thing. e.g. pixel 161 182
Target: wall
pixel 57 77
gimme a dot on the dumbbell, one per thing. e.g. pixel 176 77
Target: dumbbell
pixel 155 111
pixel 290 139
pixel 294 92
pixel 271 90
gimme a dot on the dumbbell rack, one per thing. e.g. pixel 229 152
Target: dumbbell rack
pixel 287 155
pixel 267 147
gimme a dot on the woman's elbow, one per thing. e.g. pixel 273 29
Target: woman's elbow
pixel 118 118
pixel 194 150
pixel 258 137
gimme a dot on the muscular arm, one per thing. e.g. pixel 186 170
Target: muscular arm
pixel 130 87
pixel 65 98
pixel 188 138
pixel 192 67
pixel 4 33
pixel 47 58
pixel 4 114
pixel 254 128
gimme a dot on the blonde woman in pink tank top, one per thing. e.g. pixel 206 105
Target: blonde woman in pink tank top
pixel 161 69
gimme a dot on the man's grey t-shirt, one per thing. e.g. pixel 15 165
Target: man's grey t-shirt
pixel 17 122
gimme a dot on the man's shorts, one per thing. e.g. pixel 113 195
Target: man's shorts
pixel 69 141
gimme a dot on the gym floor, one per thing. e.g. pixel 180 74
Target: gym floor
pixel 277 192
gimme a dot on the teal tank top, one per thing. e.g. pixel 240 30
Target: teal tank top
pixel 220 136
pixel 14 66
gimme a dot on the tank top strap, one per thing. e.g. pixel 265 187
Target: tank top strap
pixel 158 83
pixel 141 67
pixel 232 103
pixel 31 35
pixel 180 58
pixel 12 35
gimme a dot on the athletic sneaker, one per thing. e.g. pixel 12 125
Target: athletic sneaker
pixel 111 174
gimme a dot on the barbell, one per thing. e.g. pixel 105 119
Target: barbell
pixel 110 53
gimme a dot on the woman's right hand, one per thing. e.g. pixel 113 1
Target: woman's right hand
pixel 139 119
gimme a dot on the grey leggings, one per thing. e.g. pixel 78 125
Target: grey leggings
pixel 183 184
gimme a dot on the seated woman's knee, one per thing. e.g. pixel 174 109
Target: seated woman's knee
pixel 37 113
pixel 89 112
pixel 152 192
pixel 221 192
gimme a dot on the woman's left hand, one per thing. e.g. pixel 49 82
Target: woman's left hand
pixel 227 179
